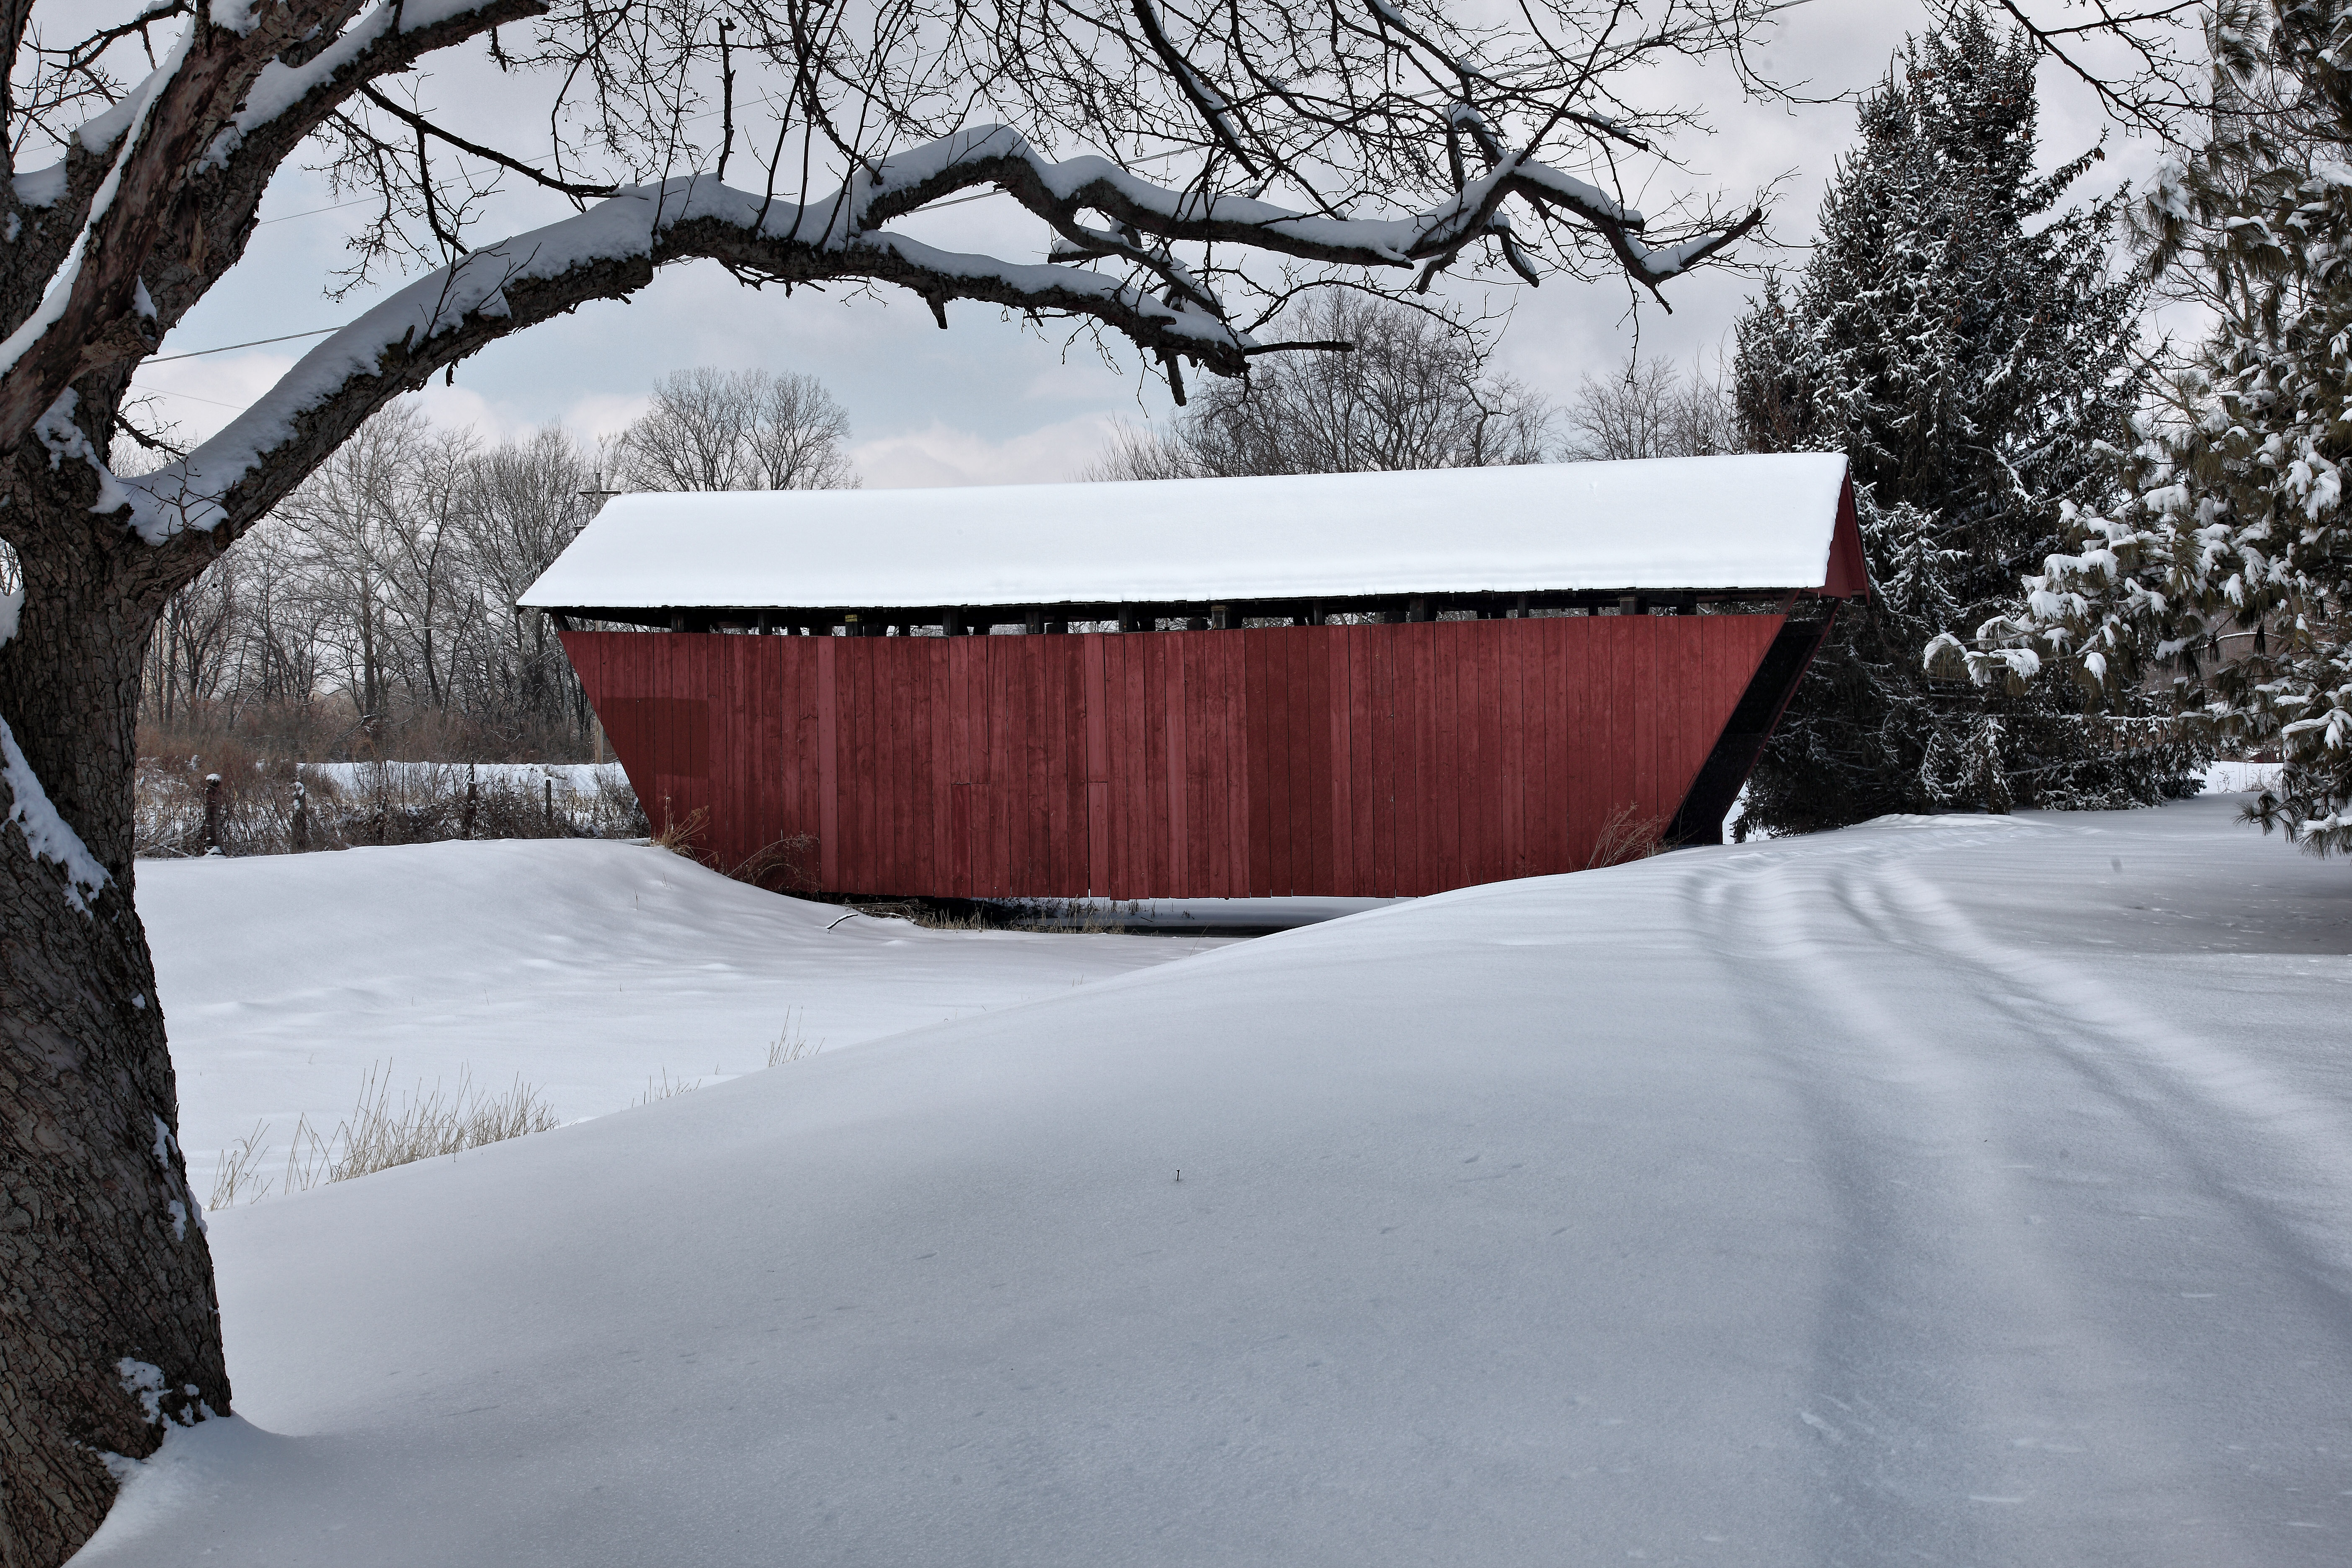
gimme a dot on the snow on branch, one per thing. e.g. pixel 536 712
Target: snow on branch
pixel 611 250
pixel 78 236
pixel 46 834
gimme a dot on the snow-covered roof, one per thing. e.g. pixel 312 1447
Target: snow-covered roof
pixel 1733 523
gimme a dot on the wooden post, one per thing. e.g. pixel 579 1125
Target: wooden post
pixel 1036 623
pixel 302 823
pixel 465 817
pixel 212 814
pixel 547 801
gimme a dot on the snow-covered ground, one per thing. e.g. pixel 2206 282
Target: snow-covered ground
pixel 583 777
pixel 586 968
pixel 1963 1190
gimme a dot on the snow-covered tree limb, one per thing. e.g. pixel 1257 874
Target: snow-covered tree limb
pixel 611 251
pixel 155 198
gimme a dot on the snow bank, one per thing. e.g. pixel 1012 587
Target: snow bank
pixel 1683 522
pixel 585 967
pixel 1955 1189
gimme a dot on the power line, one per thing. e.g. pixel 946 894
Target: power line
pixel 216 403
pixel 199 353
pixel 314 211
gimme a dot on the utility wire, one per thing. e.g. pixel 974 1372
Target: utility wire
pixel 314 211
pixel 216 403
pixel 199 353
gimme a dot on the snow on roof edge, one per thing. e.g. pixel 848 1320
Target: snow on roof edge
pixel 1743 523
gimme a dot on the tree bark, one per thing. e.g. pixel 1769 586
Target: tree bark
pixel 110 1326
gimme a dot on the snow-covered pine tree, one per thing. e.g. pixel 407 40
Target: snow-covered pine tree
pixel 1971 347
pixel 2229 551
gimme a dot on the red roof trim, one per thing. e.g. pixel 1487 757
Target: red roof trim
pixel 1848 576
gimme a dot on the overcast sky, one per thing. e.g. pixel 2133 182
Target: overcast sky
pixel 989 401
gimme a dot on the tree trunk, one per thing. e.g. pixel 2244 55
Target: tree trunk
pixel 109 1327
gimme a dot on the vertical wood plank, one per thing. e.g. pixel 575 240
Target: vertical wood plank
pixel 1248 798
pixel 1259 761
pixel 828 764
pixel 1449 669
pixel 1335 794
pixel 1285 840
pixel 1492 779
pixel 1065 764
pixel 1097 769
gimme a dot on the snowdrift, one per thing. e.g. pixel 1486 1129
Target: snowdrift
pixel 584 967
pixel 1961 1189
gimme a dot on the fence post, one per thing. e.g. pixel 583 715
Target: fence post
pixel 547 798
pixel 212 814
pixel 466 818
pixel 301 825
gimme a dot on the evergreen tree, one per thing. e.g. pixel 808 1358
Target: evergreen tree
pixel 2230 552
pixel 1970 347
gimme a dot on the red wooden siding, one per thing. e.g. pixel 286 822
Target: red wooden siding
pixel 1370 759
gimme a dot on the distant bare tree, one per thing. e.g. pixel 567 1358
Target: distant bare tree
pixel 344 518
pixel 525 502
pixel 386 584
pixel 1416 390
pixel 1651 410
pixel 740 430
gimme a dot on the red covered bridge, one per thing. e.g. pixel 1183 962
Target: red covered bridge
pixel 1359 684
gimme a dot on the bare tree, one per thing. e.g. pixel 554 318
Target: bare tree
pixel 348 522
pixel 1652 410
pixel 525 502
pixel 387 581
pixel 742 430
pixel 1411 389
pixel 1184 160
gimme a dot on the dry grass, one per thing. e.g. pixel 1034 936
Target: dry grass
pixel 381 1133
pixel 239 1178
pixel 1627 836
pixel 428 1121
pixel 792 1044
pixel 656 1093
pixel 1067 917
pixel 785 866
pixel 926 913
pixel 677 836
pixel 270 806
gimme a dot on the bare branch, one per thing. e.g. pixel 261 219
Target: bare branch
pixel 2160 88
pixel 424 127
pixel 500 289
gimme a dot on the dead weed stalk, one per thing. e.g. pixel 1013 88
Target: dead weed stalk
pixel 1627 836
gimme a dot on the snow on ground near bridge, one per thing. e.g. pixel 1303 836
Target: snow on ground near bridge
pixel 1963 1190
pixel 585 967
